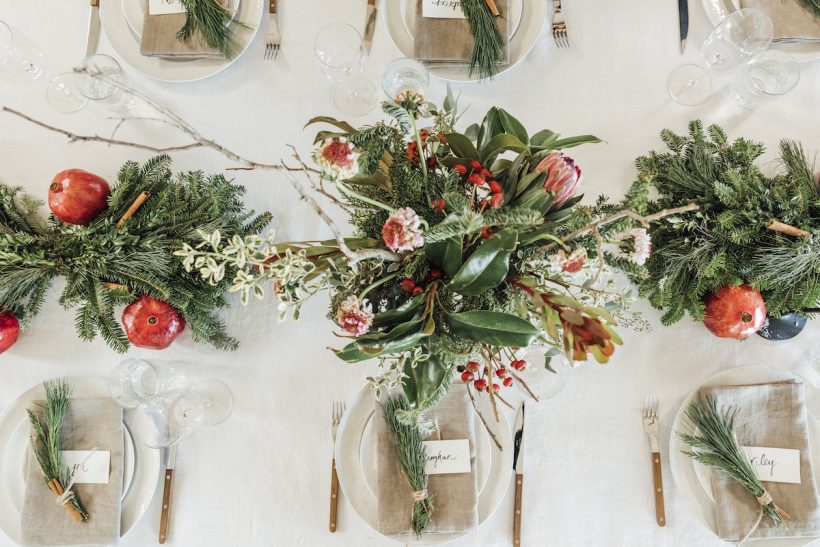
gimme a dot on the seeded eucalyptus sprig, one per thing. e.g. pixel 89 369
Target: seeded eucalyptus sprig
pixel 488 49
pixel 214 22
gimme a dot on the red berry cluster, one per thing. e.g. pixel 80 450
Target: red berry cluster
pixel 473 372
pixel 478 175
pixel 409 287
pixel 413 150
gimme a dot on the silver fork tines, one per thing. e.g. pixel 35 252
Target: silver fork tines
pixel 273 39
pixel 336 418
pixel 650 419
pixel 559 27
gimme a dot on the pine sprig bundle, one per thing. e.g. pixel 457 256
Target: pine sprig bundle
pixel 488 49
pixel 106 267
pixel 213 21
pixel 729 241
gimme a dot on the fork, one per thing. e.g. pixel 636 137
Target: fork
pixel 559 27
pixel 336 418
pixel 650 426
pixel 273 40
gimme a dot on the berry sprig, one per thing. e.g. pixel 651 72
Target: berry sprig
pixel 474 373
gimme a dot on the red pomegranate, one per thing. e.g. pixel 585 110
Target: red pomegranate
pixel 151 323
pixel 76 196
pixel 734 312
pixel 9 330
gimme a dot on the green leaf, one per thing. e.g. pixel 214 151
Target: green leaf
pixel 352 353
pixel 344 126
pixel 425 381
pixel 377 179
pixel 501 143
pixel 402 314
pixel 462 147
pixel 445 254
pixel 472 132
pixel 512 126
pixel 570 142
pixel 487 266
pixel 544 138
pixel 493 328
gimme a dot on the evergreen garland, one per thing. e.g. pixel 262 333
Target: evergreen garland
pixel 106 267
pixel 728 241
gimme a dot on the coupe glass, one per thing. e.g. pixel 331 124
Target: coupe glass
pixel 20 60
pixel 340 50
pixel 134 381
pixel 767 76
pixel 103 93
pixel 166 418
pixel 743 33
pixel 405 75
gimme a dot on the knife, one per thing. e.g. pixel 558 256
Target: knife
pixel 518 465
pixel 170 460
pixel 369 24
pixel 93 29
pixel 683 20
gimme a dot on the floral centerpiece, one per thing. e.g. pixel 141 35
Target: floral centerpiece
pixel 467 246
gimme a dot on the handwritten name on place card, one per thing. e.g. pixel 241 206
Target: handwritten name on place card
pixel 442 9
pixel 443 457
pixel 774 464
pixel 88 467
pixel 164 7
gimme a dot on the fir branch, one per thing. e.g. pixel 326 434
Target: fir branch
pixel 488 50
pixel 213 22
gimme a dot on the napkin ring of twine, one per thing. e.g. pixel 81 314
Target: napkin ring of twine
pixel 420 495
pixel 763 500
pixel 66 495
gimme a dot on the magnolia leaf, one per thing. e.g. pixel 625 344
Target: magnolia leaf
pixel 445 254
pixel 512 126
pixel 570 142
pixel 344 126
pixel 501 143
pixel 401 314
pixel 543 138
pixel 462 147
pixel 425 382
pixel 487 266
pixel 376 179
pixel 493 328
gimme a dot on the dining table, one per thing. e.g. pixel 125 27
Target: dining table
pixel 262 478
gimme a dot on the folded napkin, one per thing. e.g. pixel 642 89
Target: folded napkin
pixel 90 424
pixel 792 21
pixel 159 38
pixel 449 41
pixel 771 415
pixel 455 496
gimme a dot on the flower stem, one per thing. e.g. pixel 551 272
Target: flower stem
pixel 376 283
pixel 422 159
pixel 351 194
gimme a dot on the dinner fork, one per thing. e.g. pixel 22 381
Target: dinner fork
pixel 273 40
pixel 336 418
pixel 559 27
pixel 651 425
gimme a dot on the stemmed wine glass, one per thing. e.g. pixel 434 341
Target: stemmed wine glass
pixel 340 50
pixel 168 417
pixel 134 381
pixel 405 75
pixel 70 91
pixel 742 34
pixel 20 60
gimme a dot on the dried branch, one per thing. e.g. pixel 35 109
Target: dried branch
pixel 483 421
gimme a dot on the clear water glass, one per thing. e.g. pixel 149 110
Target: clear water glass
pixel 689 85
pixel 742 34
pixel 20 60
pixel 544 383
pixel 340 50
pixel 767 76
pixel 134 381
pixel 405 75
pixel 171 416
pixel 100 92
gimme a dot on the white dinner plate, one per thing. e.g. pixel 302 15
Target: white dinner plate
pixel 526 16
pixel 123 31
pixel 802 51
pixel 694 479
pixel 356 464
pixel 138 488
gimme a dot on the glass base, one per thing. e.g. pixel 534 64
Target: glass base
pixel 689 85
pixel 355 99
pixel 219 401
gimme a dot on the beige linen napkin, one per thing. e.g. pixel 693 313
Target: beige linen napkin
pixel 90 424
pixel 792 21
pixel 455 496
pixel 771 415
pixel 159 38
pixel 449 41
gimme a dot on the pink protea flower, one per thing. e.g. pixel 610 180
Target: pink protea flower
pixel 337 159
pixel 569 263
pixel 354 316
pixel 402 231
pixel 563 176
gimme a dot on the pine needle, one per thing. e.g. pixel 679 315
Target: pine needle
pixel 213 21
pixel 488 49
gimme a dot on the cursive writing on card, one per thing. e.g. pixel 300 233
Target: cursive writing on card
pixel 88 466
pixel 451 456
pixel 442 9
pixel 774 464
pixel 164 7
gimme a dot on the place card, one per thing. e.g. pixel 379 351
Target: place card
pixel 442 9
pixel 164 7
pixel 774 464
pixel 88 466
pixel 451 456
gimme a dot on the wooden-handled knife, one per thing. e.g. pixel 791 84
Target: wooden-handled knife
pixel 165 516
pixel 518 465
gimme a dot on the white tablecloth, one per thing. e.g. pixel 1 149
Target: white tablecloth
pixel 263 477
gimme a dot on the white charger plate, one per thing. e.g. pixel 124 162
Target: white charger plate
pixel 694 479
pixel 140 488
pixel 803 52
pixel 357 469
pixel 527 20
pixel 117 23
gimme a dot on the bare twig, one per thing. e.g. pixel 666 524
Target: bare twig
pixel 524 385
pixel 599 247
pixel 483 421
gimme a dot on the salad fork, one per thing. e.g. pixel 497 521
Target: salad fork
pixel 651 425
pixel 336 418
pixel 273 40
pixel 559 27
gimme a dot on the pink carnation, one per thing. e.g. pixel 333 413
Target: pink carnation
pixel 563 176
pixel 354 316
pixel 337 159
pixel 569 263
pixel 402 231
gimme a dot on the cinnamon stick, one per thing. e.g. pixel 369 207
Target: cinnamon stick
pixel 133 209
pixel 55 487
pixel 493 7
pixel 787 229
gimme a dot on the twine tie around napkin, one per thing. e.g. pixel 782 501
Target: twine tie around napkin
pixel 420 495
pixel 68 494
